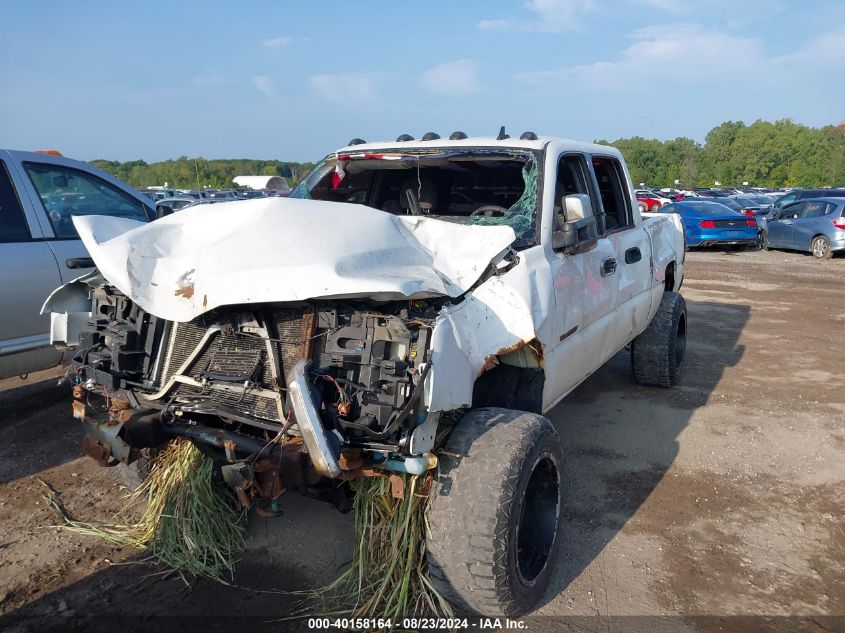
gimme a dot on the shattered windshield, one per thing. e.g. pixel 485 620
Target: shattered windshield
pixel 478 186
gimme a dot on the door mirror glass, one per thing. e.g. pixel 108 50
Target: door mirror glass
pixel 576 206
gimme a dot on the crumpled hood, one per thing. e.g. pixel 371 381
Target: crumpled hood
pixel 278 249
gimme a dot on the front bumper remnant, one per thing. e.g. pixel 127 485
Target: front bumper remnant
pixel 308 420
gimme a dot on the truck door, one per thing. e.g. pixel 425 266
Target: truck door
pixel 585 285
pixel 631 252
pixel 62 192
pixel 28 273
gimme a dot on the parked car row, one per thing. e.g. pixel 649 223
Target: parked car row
pixel 183 199
pixel 814 225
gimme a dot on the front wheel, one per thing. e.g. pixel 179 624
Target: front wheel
pixel 762 241
pixel 493 523
pixel 658 354
pixel 820 247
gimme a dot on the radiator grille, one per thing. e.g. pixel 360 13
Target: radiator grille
pixel 229 357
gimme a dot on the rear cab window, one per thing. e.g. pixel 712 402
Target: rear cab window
pixel 66 192
pixel 13 226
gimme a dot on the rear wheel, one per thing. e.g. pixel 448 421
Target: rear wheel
pixel 820 246
pixel 658 354
pixel 493 524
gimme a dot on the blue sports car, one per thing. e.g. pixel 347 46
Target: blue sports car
pixel 709 223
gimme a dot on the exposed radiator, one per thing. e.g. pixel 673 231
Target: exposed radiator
pixel 231 358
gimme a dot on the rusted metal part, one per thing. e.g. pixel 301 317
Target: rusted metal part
pixel 397 487
pixel 120 415
pixel 96 451
pixel 185 291
pixel 268 478
pixel 78 392
pixel 350 459
pixel 309 323
pixel 533 347
pixel 490 362
pixel 79 410
pixel 243 498
pixel 229 448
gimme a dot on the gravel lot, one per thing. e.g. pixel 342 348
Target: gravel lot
pixel 724 497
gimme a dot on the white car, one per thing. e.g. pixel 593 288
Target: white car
pixel 407 292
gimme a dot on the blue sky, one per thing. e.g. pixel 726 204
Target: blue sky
pixel 286 80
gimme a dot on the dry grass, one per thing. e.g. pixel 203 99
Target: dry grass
pixel 190 524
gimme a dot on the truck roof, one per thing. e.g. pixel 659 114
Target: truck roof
pixel 479 141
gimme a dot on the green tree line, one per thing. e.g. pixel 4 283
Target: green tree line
pixel 192 173
pixel 764 154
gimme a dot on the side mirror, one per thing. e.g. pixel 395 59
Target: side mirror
pixel 576 206
pixel 575 236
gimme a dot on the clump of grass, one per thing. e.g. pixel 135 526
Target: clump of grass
pixel 190 524
pixel 388 575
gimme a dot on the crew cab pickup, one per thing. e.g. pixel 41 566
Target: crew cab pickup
pixel 412 305
pixel 39 247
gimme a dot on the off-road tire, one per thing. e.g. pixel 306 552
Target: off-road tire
pixel 658 354
pixel 134 474
pixel 499 478
pixel 820 247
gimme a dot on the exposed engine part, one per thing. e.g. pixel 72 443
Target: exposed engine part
pixel 298 383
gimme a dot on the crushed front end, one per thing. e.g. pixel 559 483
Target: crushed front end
pixel 281 395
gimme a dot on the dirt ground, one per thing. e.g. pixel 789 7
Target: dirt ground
pixel 717 505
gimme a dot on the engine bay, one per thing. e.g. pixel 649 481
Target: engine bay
pixel 223 381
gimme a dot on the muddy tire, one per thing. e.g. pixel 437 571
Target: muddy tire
pixel 820 247
pixel 658 354
pixel 134 474
pixel 494 520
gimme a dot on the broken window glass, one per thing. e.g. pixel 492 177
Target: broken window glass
pixel 481 186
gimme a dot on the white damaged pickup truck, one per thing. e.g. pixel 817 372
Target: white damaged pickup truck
pixel 412 305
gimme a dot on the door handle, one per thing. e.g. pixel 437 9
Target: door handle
pixel 608 266
pixel 633 255
pixel 79 262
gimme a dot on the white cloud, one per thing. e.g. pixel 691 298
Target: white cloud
pixel 347 87
pixel 276 42
pixel 263 84
pixel 691 60
pixel 679 54
pixel 549 15
pixel 459 77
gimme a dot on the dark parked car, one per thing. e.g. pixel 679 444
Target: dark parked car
pixel 806 194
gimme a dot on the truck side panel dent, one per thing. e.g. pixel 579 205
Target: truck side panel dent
pixel 495 321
